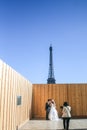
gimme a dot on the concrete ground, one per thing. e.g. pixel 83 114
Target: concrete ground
pixel 75 124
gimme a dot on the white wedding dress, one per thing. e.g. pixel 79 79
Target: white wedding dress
pixel 53 114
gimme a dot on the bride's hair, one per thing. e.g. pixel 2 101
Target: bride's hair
pixel 53 101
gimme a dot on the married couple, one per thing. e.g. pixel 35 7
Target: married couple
pixel 51 112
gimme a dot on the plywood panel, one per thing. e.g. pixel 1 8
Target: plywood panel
pixel 42 101
pixel 13 84
pixel 77 98
pixel 72 97
pixel 74 94
pixel 83 97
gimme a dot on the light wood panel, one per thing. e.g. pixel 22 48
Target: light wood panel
pixel 77 98
pixel 12 84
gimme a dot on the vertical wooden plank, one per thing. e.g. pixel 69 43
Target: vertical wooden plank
pixel 10 100
pixel 2 97
pixel 45 93
pixel 53 92
pixel 83 100
pixel 14 100
pixel 42 101
pixel 49 90
pixel 38 100
pixel 15 85
pixel 33 100
pixel 44 112
pixel 30 98
pixel 78 96
pixel 6 96
pixel 35 97
pixel 72 96
pixel 56 96
pixel 69 93
pixel 45 97
pixel 1 68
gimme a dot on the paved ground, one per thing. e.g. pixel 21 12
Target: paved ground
pixel 75 124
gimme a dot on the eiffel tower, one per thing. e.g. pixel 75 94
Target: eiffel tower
pixel 51 79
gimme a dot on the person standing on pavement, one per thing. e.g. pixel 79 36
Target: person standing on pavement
pixel 66 115
pixel 47 108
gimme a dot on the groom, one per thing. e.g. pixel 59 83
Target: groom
pixel 47 108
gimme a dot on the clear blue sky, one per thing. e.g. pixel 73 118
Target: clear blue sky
pixel 28 27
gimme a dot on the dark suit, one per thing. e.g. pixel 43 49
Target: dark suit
pixel 47 108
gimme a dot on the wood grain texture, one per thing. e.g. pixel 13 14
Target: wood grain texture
pixel 75 94
pixel 12 84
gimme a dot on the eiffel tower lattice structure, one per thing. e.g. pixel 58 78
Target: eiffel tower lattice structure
pixel 51 78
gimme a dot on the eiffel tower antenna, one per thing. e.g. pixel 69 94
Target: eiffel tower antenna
pixel 51 79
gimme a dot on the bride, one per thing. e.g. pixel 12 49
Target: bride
pixel 53 114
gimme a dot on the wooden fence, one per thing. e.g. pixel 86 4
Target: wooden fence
pixel 12 84
pixel 75 94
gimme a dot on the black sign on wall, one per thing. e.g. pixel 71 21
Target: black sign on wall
pixel 18 100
